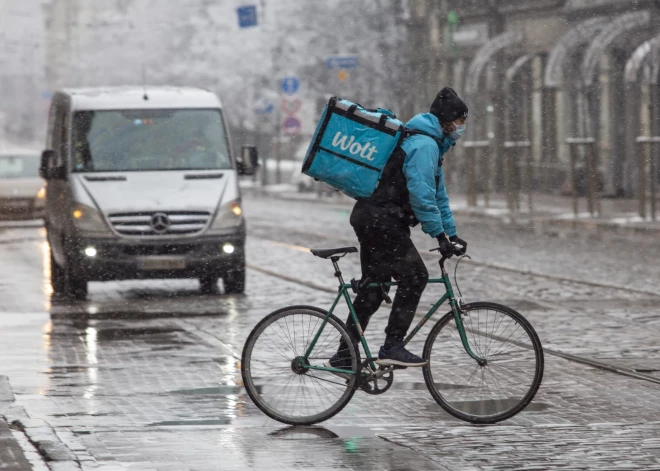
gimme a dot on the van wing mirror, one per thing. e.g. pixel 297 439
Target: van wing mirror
pixel 47 171
pixel 249 161
pixel 46 156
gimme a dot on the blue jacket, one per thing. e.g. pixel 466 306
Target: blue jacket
pixel 430 204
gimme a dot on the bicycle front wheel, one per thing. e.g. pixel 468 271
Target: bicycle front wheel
pixel 280 383
pixel 504 384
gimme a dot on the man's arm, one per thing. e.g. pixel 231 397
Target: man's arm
pixel 442 201
pixel 419 169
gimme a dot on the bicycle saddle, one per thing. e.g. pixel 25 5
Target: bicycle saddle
pixel 327 253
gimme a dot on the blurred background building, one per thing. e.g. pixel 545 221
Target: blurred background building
pixel 537 73
pixel 545 79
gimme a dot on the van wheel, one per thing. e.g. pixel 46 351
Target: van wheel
pixel 234 281
pixel 57 278
pixel 208 284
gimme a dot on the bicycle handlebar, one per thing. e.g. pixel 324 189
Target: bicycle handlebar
pixel 457 251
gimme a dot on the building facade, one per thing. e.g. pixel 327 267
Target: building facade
pixel 543 78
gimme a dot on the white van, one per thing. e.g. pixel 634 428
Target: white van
pixel 142 184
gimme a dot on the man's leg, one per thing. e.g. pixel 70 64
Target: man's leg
pixel 412 276
pixel 367 302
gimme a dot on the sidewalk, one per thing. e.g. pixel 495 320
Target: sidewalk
pixel 551 214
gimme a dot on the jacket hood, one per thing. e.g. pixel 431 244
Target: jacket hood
pixel 426 122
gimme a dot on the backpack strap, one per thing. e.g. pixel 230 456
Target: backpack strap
pixel 412 132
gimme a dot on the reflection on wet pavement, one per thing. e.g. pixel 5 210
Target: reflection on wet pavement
pixel 146 375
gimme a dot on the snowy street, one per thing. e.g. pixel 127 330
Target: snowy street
pixel 146 375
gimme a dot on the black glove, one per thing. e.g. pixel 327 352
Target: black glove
pixel 446 247
pixel 457 240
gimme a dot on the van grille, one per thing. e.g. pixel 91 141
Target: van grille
pixel 159 223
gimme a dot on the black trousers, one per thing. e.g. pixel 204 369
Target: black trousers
pixel 386 253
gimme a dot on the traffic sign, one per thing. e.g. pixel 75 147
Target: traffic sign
pixel 247 16
pixel 290 85
pixel 291 125
pixel 290 106
pixel 264 107
pixel 342 62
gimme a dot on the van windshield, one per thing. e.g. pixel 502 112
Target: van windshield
pixel 147 140
pixel 19 166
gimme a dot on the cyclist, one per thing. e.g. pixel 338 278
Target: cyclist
pixel 411 190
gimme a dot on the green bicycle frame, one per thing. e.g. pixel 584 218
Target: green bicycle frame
pixel 343 291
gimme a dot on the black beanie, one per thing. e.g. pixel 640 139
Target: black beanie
pixel 447 106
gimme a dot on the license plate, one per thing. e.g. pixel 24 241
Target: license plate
pixel 161 263
pixel 15 205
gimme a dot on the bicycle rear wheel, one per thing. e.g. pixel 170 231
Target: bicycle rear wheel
pixel 505 384
pixel 276 380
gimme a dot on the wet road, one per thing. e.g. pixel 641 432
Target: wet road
pixel 146 375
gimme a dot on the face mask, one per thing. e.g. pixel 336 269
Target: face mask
pixel 460 130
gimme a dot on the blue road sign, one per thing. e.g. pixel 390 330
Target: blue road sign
pixel 264 107
pixel 342 62
pixel 290 85
pixel 291 125
pixel 247 16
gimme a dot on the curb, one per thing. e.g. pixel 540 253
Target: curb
pixel 554 225
pixel 38 432
pixel 127 314
pixel 205 306
pixel 43 437
pixel 6 393
pixel 548 225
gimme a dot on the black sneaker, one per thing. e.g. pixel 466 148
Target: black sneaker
pixel 397 355
pixel 339 361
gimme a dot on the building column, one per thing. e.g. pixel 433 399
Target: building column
pixel 604 132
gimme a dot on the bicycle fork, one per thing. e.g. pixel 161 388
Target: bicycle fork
pixel 457 311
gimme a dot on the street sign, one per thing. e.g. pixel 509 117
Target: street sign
pixel 290 85
pixel 264 107
pixel 342 62
pixel 290 106
pixel 247 16
pixel 291 125
pixel 265 110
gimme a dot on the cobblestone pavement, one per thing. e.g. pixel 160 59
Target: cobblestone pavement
pixel 124 389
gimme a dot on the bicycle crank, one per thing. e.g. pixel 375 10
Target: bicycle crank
pixel 377 382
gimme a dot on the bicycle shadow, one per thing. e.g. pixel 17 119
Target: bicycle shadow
pixel 303 432
pixel 347 447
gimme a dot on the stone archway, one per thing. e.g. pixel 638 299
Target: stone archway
pixel 555 84
pixel 645 57
pixel 479 101
pixel 588 101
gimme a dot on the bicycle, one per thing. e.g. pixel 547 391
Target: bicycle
pixel 476 371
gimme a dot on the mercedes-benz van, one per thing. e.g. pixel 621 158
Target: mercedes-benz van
pixel 142 183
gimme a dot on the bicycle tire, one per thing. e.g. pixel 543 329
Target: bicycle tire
pixel 448 398
pixel 254 391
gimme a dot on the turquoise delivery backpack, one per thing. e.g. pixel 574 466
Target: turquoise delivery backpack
pixel 351 146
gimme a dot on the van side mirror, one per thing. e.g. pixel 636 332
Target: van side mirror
pixel 46 170
pixel 249 161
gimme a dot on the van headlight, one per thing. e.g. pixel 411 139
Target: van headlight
pixel 228 217
pixel 88 219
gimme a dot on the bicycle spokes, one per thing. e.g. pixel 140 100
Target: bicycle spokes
pixel 498 386
pixel 285 383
